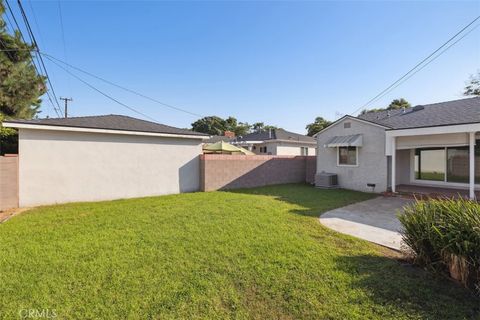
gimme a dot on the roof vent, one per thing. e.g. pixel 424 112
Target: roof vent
pixel 418 108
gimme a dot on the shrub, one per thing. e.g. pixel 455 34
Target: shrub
pixel 444 234
pixel 8 139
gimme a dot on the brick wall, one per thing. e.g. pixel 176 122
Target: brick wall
pixel 234 171
pixel 8 182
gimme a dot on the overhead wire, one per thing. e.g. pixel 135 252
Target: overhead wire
pixel 120 86
pixel 31 56
pixel 34 42
pixel 91 86
pixel 384 91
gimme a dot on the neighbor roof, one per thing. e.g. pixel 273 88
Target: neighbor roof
pixel 275 134
pixel 437 114
pixel 109 122
pixel 214 139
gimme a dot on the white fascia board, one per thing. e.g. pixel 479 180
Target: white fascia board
pixel 290 141
pixel 459 128
pixel 313 143
pixel 248 142
pixel 350 118
pixel 93 130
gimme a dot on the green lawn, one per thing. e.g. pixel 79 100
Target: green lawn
pixel 258 253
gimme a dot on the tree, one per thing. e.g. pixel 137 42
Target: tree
pixel 473 85
pixel 394 105
pixel 212 125
pixel 318 125
pixel 239 128
pixel 399 104
pixel 8 139
pixel 260 126
pixel 20 85
pixel 242 129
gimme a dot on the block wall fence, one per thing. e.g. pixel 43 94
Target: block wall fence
pixel 8 182
pixel 220 172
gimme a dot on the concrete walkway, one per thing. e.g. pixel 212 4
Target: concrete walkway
pixel 374 220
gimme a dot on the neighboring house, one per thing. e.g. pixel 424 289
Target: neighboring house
pixel 435 145
pixel 215 139
pixel 102 158
pixel 277 142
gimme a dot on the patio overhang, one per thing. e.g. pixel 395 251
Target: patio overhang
pixel 449 130
pixel 434 137
pixel 354 140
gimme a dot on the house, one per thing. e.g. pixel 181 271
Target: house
pixel 431 146
pixel 103 157
pixel 277 142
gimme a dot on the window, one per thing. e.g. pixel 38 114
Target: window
pixel 263 149
pixel 304 151
pixel 430 164
pixel 347 125
pixel 347 156
pixel 450 164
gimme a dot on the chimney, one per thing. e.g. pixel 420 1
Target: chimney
pixel 229 134
pixel 269 133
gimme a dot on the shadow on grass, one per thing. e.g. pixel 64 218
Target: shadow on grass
pixel 314 201
pixel 403 286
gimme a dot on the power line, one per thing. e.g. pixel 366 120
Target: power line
pixel 122 87
pixel 100 91
pixel 33 61
pixel 35 20
pixel 34 41
pixel 433 59
pixel 63 37
pixel 382 93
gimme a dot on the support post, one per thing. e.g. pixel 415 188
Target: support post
pixel 472 164
pixel 394 158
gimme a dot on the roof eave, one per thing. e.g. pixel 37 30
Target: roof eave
pixel 53 127
pixel 353 118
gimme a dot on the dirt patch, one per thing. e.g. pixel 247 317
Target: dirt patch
pixel 7 214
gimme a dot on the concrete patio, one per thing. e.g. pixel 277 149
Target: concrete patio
pixel 373 220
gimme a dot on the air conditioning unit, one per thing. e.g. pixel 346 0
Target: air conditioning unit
pixel 326 180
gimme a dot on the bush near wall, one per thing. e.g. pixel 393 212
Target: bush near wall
pixel 444 234
pixel 8 139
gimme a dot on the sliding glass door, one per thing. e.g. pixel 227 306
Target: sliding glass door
pixel 430 164
pixel 458 165
pixel 449 164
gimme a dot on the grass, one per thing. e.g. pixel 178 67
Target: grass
pixel 258 253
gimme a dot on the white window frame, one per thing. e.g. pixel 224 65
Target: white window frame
pixel 443 183
pixel 347 165
pixel 304 151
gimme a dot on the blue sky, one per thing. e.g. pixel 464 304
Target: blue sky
pixel 283 63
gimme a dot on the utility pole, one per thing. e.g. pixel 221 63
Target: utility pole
pixel 66 105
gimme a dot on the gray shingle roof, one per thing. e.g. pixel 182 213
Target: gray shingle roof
pixel 110 122
pixel 214 139
pixel 276 134
pixel 437 114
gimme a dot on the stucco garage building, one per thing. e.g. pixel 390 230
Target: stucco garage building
pixel 102 158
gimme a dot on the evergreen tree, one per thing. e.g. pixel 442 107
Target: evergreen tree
pixel 473 86
pixel 20 85
pixel 318 125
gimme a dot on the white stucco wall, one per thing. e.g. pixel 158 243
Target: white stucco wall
pixel 60 166
pixel 293 149
pixel 372 162
pixel 280 148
